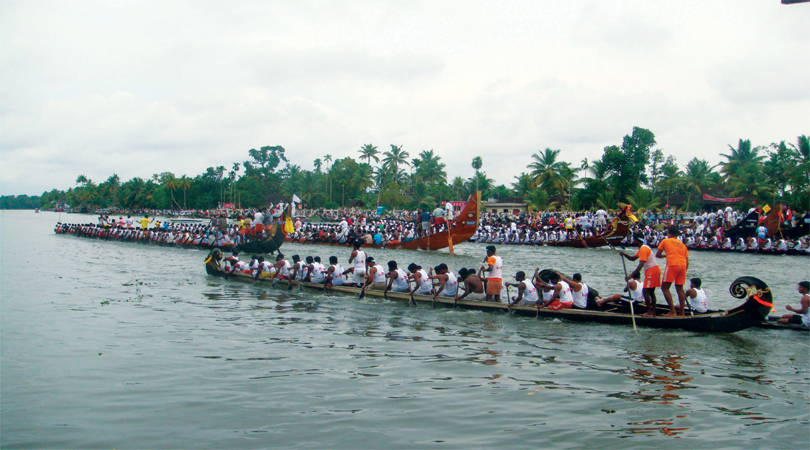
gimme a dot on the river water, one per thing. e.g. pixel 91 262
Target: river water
pixel 115 345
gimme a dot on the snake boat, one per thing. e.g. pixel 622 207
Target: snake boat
pixel 756 307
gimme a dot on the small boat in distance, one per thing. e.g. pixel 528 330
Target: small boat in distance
pixel 187 220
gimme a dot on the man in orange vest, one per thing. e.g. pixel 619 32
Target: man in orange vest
pixel 677 263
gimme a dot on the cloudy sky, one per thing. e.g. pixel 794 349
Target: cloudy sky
pixel 142 87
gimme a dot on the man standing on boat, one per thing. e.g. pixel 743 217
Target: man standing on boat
pixel 652 273
pixel 677 264
pixel 359 270
pixel 495 279
pixel 438 218
pixel 145 222
pixel 424 217
pixel 802 316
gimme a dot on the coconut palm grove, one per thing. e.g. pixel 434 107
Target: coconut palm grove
pixel 633 172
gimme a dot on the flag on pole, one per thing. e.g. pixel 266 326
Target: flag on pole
pixel 295 200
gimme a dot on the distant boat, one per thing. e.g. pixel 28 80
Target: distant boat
pixel 184 220
pixel 36 210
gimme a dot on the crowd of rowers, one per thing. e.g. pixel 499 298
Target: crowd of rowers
pixel 167 233
pixel 549 289
pixel 704 234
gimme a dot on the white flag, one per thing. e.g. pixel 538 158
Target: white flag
pixel 295 200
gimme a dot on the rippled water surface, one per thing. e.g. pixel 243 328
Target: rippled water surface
pixel 114 345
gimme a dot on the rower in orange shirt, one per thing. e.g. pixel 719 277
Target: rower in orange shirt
pixel 677 263
pixel 652 273
pixel 494 265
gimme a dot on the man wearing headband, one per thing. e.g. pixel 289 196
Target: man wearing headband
pixel 652 273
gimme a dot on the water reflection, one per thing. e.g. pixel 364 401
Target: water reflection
pixel 663 374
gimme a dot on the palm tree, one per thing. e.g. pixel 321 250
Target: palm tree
pixel 537 200
pixel 364 177
pixel 82 179
pixel 695 178
pixel 113 183
pixel 739 160
pixel 477 163
pixel 318 163
pixel 169 181
pixel 184 183
pixel 458 186
pixel 801 153
pixel 643 200
pixel 569 174
pixel 522 184
pixel 547 172
pixel 430 169
pixel 327 159
pixel 394 158
pixel 369 152
pixel 482 181
pixel 607 200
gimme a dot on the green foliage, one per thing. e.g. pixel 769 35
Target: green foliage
pixel 547 172
pixel 538 200
pixel 627 165
pixel 19 202
pixel 634 172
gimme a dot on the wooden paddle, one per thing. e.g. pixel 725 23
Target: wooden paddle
pixel 363 291
pixel 632 310
pixel 508 299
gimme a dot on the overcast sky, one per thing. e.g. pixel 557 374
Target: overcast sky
pixel 142 87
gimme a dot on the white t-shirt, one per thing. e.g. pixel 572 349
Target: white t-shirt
pixel 701 302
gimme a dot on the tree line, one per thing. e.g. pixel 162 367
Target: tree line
pixel 634 172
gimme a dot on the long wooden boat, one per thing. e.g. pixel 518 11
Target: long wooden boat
pixel 618 229
pixel 771 323
pixel 751 313
pixel 759 251
pixel 461 229
pixel 270 244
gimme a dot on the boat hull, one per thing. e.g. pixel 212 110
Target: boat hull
pixel 749 314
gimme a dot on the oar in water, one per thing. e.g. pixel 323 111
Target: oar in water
pixel 430 274
pixel 362 292
pixel 632 310
pixel 508 300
